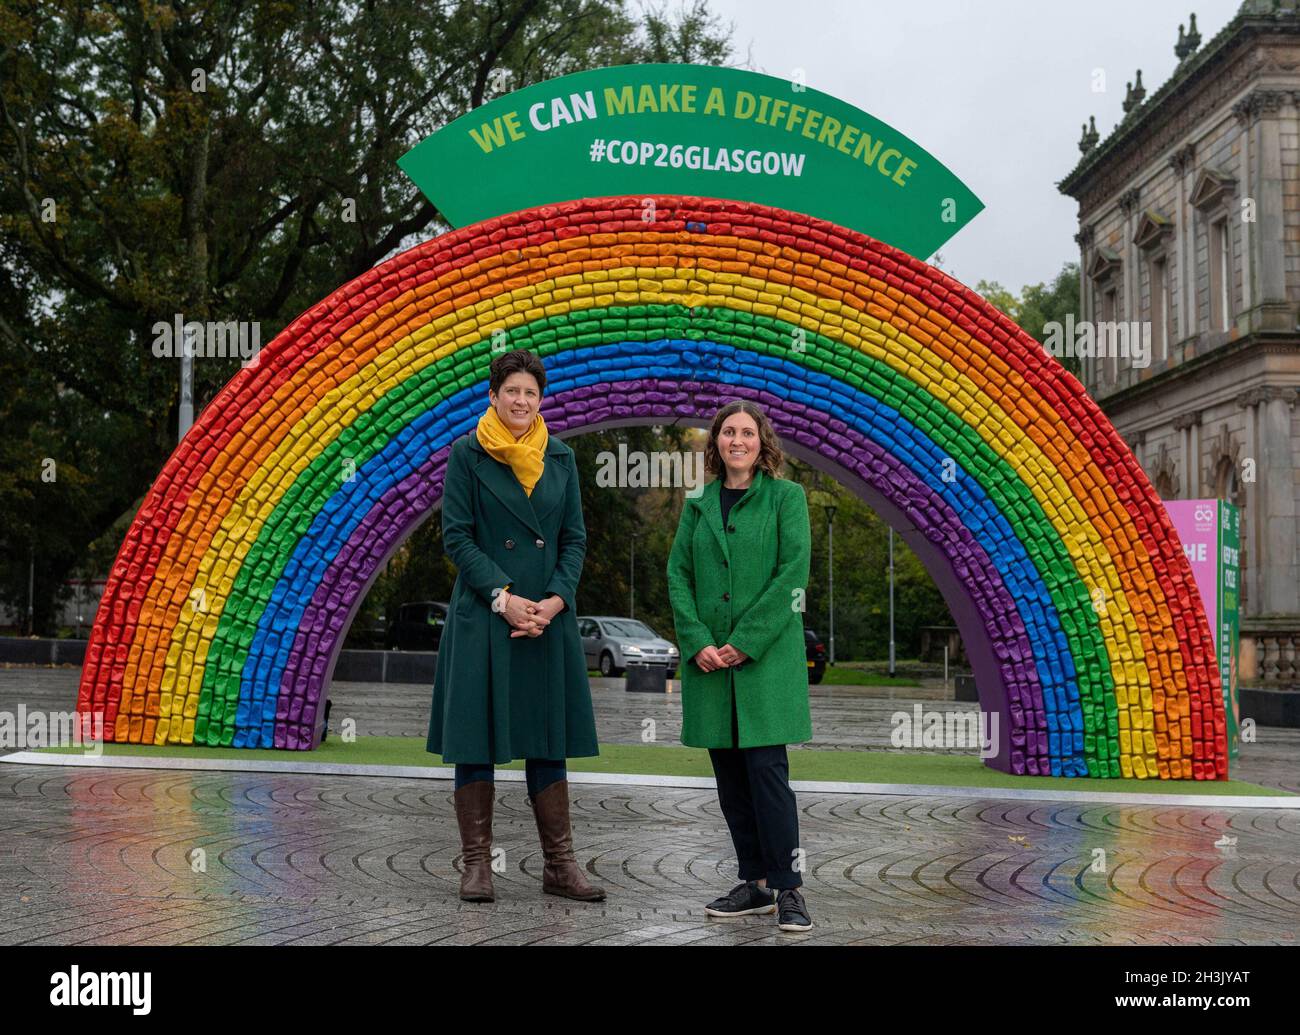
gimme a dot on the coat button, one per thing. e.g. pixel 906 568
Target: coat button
pixel 539 543
pixel 731 528
pixel 726 564
pixel 510 544
pixel 726 596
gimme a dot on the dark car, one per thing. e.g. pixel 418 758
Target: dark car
pixel 367 633
pixel 419 626
pixel 816 656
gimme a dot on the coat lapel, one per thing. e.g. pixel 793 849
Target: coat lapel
pixel 503 484
pixel 710 503
pixel 550 489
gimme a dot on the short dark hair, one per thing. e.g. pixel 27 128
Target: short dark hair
pixel 516 361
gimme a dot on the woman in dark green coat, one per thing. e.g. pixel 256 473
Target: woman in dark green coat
pixel 511 678
pixel 737 577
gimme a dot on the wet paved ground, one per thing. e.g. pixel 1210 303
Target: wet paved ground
pixel 101 856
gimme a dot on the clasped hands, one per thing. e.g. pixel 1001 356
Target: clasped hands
pixel 712 658
pixel 529 617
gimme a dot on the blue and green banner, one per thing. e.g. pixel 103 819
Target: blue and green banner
pixel 1210 531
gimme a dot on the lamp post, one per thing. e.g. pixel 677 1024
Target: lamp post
pixel 830 574
pixel 891 600
pixel 185 418
pixel 631 581
pixel 31 590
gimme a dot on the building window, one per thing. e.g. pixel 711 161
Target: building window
pixel 1105 275
pixel 1220 257
pixel 1155 231
pixel 1109 309
pixel 1158 272
pixel 1213 197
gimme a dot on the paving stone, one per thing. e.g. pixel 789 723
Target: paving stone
pixel 101 856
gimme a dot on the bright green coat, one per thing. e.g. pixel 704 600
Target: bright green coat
pixel 497 698
pixel 743 585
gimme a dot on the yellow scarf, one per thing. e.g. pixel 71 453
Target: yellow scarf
pixel 525 455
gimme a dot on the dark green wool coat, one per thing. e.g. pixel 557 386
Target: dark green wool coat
pixel 495 698
pixel 743 585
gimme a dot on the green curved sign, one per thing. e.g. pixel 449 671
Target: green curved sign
pixel 691 129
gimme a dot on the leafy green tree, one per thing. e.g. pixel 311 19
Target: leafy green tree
pixel 1040 304
pixel 862 577
pixel 222 161
pixel 999 297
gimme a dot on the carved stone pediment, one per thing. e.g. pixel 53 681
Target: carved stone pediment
pixel 1212 186
pixel 1152 229
pixel 1104 262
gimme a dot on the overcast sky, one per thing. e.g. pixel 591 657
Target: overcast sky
pixel 996 90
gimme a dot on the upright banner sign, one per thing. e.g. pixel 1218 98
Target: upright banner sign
pixel 695 130
pixel 1210 533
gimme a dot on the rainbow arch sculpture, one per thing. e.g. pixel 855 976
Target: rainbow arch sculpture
pixel 229 599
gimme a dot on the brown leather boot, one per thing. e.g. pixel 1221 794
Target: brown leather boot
pixel 474 815
pixel 561 875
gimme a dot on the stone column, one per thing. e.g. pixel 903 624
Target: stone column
pixel 1277 467
pixel 1250 577
pixel 1270 231
pixel 1128 203
pixel 1264 246
pixel 1137 442
pixel 1196 488
pixel 1244 110
pixel 1273 528
pixel 1185 424
pixel 1180 162
pixel 1087 305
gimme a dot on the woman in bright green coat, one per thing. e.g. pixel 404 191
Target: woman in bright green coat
pixel 737 578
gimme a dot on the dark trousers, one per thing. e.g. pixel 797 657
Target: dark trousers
pixel 760 810
pixel 539 773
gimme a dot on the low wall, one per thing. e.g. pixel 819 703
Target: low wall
pixel 1267 707
pixel 354 666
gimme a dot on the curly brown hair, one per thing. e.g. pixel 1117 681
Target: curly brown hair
pixel 770 456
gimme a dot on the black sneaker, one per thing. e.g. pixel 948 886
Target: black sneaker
pixel 794 914
pixel 745 899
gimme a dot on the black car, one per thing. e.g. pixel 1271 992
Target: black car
pixel 419 626
pixel 367 634
pixel 816 656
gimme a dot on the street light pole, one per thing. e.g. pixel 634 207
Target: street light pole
pixel 830 575
pixel 891 600
pixel 631 581
pixel 185 419
pixel 31 590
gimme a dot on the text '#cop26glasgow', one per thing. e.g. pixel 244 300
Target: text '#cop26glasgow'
pixel 697 156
